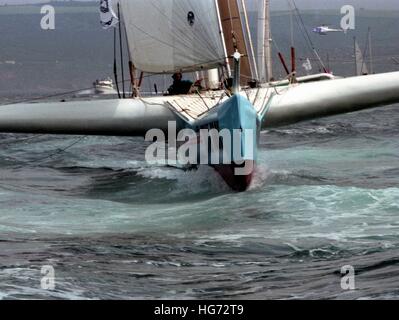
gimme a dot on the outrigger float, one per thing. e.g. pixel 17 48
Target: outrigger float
pixel 196 36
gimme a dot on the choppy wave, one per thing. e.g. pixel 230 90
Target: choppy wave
pixel 325 195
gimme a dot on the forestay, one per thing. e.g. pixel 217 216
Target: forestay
pixel 173 35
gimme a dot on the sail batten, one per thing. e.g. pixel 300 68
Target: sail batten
pixel 173 35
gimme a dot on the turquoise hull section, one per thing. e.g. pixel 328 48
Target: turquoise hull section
pixel 238 116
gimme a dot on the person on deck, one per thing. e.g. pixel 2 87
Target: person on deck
pixel 179 85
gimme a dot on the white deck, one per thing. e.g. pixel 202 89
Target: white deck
pixel 194 106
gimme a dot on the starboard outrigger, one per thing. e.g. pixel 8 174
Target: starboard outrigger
pixel 201 35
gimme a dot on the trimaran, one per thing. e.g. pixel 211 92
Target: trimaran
pixel 165 36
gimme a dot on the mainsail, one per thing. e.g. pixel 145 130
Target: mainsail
pixel 173 35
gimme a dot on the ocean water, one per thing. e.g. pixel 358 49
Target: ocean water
pixel 325 196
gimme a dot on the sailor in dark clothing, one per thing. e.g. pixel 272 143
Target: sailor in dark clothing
pixel 179 85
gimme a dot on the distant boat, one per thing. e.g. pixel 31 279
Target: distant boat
pixel 361 66
pixel 325 30
pixel 104 86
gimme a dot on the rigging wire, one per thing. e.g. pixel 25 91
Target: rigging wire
pixel 55 95
pixel 17 140
pixel 385 59
pixel 57 152
pixel 231 17
pixel 306 34
pixel 62 150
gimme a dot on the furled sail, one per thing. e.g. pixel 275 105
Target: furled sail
pixel 234 35
pixel 173 35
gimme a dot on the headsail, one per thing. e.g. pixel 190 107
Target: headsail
pixel 173 35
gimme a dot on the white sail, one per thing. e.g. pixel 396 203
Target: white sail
pixel 361 67
pixel 173 35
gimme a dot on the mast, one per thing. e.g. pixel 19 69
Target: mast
pixel 292 26
pixel 264 41
pixel 268 47
pixel 261 40
pixel 236 80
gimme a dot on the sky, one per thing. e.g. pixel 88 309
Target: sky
pixel 282 4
